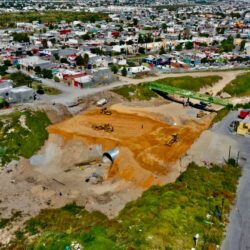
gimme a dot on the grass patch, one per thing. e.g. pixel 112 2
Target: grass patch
pixel 47 90
pixel 240 86
pixel 142 92
pixel 189 82
pixel 49 16
pixel 164 217
pixel 22 134
pixel 222 113
pixel 6 221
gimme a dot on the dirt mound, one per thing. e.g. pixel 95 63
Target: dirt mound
pixel 144 157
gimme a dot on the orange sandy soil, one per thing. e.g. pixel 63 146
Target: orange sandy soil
pixel 144 158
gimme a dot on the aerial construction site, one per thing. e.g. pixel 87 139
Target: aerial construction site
pixel 104 157
pixel 105 150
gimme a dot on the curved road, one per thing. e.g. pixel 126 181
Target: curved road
pixel 71 94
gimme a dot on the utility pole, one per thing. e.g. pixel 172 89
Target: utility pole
pixel 229 153
pixel 238 156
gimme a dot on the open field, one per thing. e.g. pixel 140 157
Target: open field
pixel 240 86
pixel 9 19
pixel 163 218
pixel 142 92
pixel 22 134
pixel 141 136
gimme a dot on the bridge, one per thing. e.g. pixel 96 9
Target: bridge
pixel 188 94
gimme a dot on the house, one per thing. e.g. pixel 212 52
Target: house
pixel 244 126
pixel 102 75
pixel 33 61
pixel 138 69
pixel 22 94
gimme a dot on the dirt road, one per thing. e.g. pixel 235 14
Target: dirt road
pixel 71 94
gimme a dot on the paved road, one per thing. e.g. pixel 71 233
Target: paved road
pixel 71 94
pixel 238 231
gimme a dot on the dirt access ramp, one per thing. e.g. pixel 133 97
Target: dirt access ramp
pixel 141 136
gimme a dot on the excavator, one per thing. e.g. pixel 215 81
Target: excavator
pixel 105 111
pixel 105 127
pixel 174 138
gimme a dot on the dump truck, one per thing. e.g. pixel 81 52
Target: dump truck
pixel 101 102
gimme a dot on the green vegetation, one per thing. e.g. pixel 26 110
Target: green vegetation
pixel 20 79
pixel 22 133
pixel 227 45
pixel 21 37
pixel 164 217
pixel 5 221
pixel 142 92
pixel 47 90
pixel 240 86
pixel 189 82
pixel 221 114
pixel 135 92
pixel 3 103
pixel 53 16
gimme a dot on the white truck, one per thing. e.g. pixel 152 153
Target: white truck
pixel 101 102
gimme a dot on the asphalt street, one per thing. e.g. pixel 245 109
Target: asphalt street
pixel 238 230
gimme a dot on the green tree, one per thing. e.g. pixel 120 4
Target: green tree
pixel 242 45
pixel 46 73
pixel 64 60
pixel 86 36
pixel 56 56
pixel 189 45
pixel 140 39
pixel 204 60
pixel 178 47
pixel 124 71
pixel 141 50
pixel 21 37
pixel 38 70
pixel 97 51
pixel 7 63
pixel 135 21
pixel 114 68
pixel 227 45
pixel 164 26
pixel 85 60
pixel 3 70
pixel 204 44
pixel 79 60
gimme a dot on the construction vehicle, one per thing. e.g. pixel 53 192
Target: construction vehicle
pixel 174 138
pixel 105 111
pixel 105 127
pixel 200 114
pixel 102 102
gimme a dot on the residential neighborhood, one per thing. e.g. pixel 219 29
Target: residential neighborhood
pixel 125 124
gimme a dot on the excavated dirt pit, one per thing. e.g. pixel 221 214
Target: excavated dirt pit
pixel 141 135
pixel 57 174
